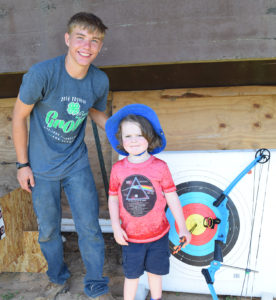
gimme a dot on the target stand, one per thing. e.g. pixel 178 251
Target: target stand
pixel 200 178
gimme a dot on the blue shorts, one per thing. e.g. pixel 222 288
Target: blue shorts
pixel 152 257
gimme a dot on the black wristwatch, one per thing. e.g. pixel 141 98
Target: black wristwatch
pixel 19 165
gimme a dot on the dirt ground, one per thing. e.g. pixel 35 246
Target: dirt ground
pixel 26 286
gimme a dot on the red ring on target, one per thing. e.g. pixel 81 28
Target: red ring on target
pixel 201 235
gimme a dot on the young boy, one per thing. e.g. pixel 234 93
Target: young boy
pixel 58 94
pixel 141 186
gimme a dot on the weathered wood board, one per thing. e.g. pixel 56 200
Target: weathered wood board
pixel 211 118
pixel 141 32
pixel 19 250
pixel 8 180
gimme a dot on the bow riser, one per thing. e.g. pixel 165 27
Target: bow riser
pixel 224 224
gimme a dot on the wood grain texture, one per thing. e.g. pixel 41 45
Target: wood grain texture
pixel 208 119
pixel 19 250
pixel 8 181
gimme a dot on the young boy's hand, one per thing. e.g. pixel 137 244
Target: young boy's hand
pixel 120 236
pixel 188 237
pixel 184 240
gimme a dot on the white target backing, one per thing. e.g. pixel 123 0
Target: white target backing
pixel 203 174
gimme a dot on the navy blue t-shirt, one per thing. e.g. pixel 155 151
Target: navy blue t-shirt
pixel 58 119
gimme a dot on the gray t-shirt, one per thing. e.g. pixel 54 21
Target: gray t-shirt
pixel 58 119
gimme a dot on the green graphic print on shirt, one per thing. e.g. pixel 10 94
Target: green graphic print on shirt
pixel 59 128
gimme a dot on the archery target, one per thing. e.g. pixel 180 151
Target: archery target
pixel 200 176
pixel 196 198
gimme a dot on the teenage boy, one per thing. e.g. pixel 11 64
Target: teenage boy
pixel 58 95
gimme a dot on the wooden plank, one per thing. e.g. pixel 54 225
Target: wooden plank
pixel 7 152
pixel 32 259
pixel 209 123
pixel 11 245
pixel 197 31
pixel 8 181
pixel 7 102
pixel 19 250
pixel 230 91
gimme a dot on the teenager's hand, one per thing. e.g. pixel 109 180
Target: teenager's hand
pixel 25 178
pixel 120 236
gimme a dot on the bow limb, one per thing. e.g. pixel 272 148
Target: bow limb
pixel 215 265
pixel 223 196
pixel 213 292
pixel 209 275
pixel 261 156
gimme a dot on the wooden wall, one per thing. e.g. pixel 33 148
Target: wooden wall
pixel 193 119
pixel 140 32
pixel 211 118
pixel 7 154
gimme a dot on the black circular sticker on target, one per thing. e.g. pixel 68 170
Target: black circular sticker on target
pixel 138 195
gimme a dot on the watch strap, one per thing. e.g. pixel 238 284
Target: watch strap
pixel 19 165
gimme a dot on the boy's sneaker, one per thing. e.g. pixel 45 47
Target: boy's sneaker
pixel 51 291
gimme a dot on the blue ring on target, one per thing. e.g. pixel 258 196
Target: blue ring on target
pixel 203 193
pixel 194 198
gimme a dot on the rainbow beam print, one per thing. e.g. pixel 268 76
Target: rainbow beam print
pixel 147 188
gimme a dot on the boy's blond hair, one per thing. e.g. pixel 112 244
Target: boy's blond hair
pixel 87 21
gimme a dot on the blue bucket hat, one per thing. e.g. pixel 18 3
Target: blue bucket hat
pixel 112 125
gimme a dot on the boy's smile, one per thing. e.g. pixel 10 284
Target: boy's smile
pixel 133 141
pixel 83 47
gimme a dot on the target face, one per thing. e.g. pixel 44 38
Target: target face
pixel 196 198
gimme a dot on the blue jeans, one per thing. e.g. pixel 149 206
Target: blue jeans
pixel 82 197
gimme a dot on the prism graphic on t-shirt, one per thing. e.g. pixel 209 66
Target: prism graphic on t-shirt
pixel 138 195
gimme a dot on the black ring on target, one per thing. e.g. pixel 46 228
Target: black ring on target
pixel 234 222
